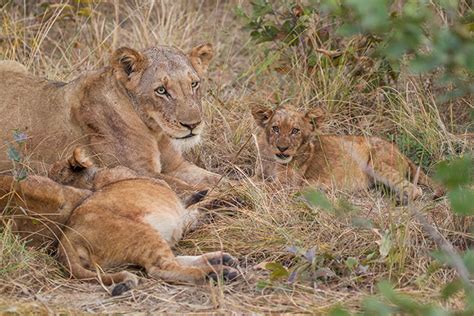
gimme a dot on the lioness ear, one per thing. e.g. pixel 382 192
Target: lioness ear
pixel 78 161
pixel 200 57
pixel 127 61
pixel 261 115
pixel 315 117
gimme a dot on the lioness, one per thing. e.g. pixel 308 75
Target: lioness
pixel 115 218
pixel 291 152
pixel 141 112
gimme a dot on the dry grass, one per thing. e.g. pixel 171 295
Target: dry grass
pixel 60 42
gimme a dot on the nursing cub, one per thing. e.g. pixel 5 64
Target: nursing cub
pixel 115 217
pixel 291 152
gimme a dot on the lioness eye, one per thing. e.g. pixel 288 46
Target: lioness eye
pixel 276 129
pixel 295 131
pixel 160 90
pixel 194 84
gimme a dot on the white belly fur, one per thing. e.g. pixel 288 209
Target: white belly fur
pixel 169 222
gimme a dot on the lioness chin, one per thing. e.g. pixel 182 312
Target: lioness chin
pixel 141 111
pixel 110 218
pixel 291 152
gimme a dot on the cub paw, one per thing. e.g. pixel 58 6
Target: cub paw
pixel 228 274
pixel 410 194
pixel 225 259
pixel 122 287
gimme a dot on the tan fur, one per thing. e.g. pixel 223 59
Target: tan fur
pixel 119 218
pixel 12 66
pixel 115 113
pixel 38 207
pixel 291 152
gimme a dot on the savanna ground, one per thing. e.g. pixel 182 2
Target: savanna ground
pixel 319 256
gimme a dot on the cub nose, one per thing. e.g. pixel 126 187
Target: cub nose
pixel 190 126
pixel 282 149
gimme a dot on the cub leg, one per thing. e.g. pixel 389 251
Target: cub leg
pixel 69 256
pixel 172 269
pixel 391 168
pixel 176 272
pixel 396 180
pixel 210 258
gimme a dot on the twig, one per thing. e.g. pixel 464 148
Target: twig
pixel 456 261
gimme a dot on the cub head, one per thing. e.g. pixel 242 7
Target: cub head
pixel 286 130
pixel 164 85
pixel 76 170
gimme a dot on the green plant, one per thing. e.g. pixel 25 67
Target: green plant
pixel 413 31
pixel 14 152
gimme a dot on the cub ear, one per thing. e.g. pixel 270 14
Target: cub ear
pixel 315 117
pixel 78 161
pixel 261 115
pixel 127 61
pixel 200 57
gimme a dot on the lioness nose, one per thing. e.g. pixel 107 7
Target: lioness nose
pixel 282 149
pixel 190 126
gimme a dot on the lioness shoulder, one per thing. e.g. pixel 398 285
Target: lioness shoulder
pixel 141 111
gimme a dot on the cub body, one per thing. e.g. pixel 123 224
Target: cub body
pixel 292 153
pixel 121 218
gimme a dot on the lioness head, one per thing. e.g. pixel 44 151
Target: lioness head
pixel 164 86
pixel 286 130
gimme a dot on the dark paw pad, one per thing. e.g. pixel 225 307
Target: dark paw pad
pixel 196 198
pixel 230 275
pixel 213 276
pixel 120 288
pixel 225 259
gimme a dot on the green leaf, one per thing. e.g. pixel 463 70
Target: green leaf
pixel 269 60
pixel 385 245
pixel 262 284
pixel 318 199
pixel 338 311
pixel 462 201
pixel 13 154
pixel 278 271
pixel 372 306
pixel 451 289
pixel 351 263
pixel 442 257
pixel 469 260
pixel 456 172
pixel 261 8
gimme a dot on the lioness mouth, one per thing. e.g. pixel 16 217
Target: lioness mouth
pixel 187 136
pixel 283 156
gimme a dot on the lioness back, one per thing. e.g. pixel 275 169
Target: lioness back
pixel 13 66
pixel 32 107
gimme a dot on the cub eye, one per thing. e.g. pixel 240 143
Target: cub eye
pixel 276 129
pixel 194 84
pixel 161 90
pixel 295 131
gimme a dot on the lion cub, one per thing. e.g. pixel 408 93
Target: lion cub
pixel 292 153
pixel 121 219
